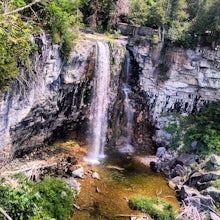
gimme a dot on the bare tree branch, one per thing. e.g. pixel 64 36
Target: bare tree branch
pixel 22 8
pixel 5 214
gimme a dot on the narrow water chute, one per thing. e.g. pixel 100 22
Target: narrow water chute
pixel 99 104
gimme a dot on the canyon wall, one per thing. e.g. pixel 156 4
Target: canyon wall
pixel 58 99
pixel 188 80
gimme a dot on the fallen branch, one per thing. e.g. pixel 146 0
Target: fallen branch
pixel 22 8
pixel 3 212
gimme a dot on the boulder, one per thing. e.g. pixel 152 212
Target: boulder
pixel 202 203
pixel 95 175
pixel 194 146
pixel 177 180
pixel 215 160
pixel 214 216
pixel 73 184
pixel 178 170
pixel 78 173
pixel 213 192
pixel 160 152
pixel 186 159
pixel 204 185
pixel 199 177
pixel 186 192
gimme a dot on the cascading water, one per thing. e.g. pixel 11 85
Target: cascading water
pixel 124 144
pixel 99 105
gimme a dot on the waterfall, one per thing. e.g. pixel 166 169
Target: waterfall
pixel 124 142
pixel 99 105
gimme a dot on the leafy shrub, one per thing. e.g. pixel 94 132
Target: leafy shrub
pixel 205 127
pixel 155 207
pixel 163 69
pixel 174 129
pixel 48 199
pixel 19 203
pixel 16 46
pixel 59 17
pixel 56 198
pixel 216 184
pixel 153 38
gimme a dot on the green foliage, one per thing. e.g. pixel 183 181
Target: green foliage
pixel 139 12
pixel 207 21
pixel 155 207
pixel 205 127
pixel 153 38
pixel 47 199
pixel 15 48
pixel 96 13
pixel 59 17
pixel 216 184
pixel 56 198
pixel 182 20
pixel 163 69
pixel 174 130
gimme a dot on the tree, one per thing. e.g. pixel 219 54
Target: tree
pixel 178 24
pixel 207 21
pixel 20 20
pixel 96 13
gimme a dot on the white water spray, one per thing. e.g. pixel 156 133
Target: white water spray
pixel 99 105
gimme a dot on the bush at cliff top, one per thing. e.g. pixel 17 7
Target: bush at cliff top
pixel 48 199
pixel 155 207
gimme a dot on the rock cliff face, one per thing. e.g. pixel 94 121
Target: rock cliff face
pixel 192 79
pixel 58 99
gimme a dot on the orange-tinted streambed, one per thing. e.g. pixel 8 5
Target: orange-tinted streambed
pixel 121 177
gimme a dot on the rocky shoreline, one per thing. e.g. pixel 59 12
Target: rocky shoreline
pixel 191 176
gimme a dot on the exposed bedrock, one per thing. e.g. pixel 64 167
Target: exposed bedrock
pixel 58 99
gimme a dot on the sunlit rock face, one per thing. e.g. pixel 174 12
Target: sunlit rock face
pixel 193 78
pixel 55 102
pixel 58 100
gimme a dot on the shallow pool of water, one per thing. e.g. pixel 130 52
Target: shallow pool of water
pixel 120 178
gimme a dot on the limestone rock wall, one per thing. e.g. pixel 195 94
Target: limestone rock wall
pixel 57 100
pixel 193 78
